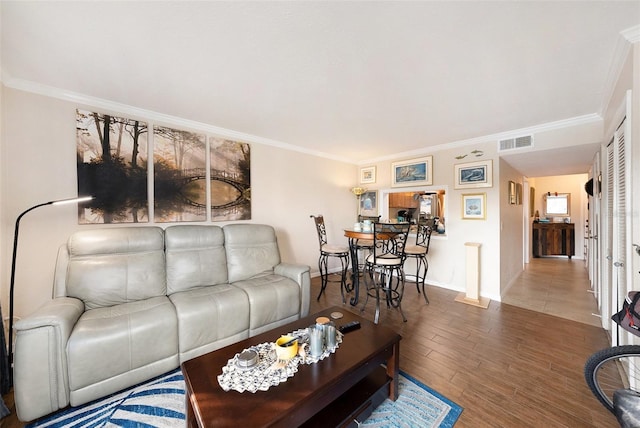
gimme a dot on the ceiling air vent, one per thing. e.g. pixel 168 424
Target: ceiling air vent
pixel 515 143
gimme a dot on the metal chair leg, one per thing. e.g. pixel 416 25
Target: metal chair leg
pixel 424 278
pixel 365 277
pixel 323 268
pixel 418 266
pixel 376 317
pixel 344 265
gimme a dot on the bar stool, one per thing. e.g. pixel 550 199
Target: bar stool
pixel 419 252
pixel 327 251
pixel 365 245
pixel 384 271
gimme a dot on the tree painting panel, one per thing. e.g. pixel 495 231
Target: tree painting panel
pixel 230 180
pixel 180 175
pixel 112 154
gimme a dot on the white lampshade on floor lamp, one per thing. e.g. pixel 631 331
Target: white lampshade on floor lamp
pixel 13 269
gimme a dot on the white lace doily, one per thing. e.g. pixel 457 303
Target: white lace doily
pixel 269 371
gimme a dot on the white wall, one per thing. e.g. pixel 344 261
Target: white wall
pixel 38 164
pixel 38 156
pixel 447 253
pixel 511 229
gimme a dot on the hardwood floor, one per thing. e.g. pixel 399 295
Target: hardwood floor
pixel 507 366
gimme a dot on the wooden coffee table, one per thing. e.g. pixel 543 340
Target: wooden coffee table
pixel 345 386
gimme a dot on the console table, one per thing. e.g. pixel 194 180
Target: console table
pixel 553 239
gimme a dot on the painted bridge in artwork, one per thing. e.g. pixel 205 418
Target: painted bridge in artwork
pixel 195 174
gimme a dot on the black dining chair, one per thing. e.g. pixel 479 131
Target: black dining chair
pixel 327 251
pixel 364 246
pixel 419 251
pixel 383 270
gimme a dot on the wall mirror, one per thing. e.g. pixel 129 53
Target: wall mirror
pixel 557 204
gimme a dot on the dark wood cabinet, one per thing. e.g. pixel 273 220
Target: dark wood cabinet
pixel 553 239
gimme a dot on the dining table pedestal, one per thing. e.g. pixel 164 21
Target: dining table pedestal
pixel 354 236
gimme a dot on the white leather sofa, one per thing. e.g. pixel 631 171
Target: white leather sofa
pixel 131 303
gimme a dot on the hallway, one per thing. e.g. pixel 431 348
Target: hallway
pixel 555 286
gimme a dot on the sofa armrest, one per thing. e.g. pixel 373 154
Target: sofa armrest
pixel 41 383
pixel 300 274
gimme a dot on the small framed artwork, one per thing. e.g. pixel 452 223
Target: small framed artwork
pixel 474 206
pixel 518 193
pixel 512 193
pixel 413 172
pixel 474 174
pixel 368 175
pixel 532 201
pixel 369 203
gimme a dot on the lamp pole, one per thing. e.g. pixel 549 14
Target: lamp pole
pixel 13 269
pixel 358 191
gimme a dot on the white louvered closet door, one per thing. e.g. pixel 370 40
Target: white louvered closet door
pixel 619 223
pixel 610 295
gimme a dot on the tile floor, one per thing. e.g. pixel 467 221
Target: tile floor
pixel 556 286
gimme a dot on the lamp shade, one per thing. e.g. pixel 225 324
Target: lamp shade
pixel 358 191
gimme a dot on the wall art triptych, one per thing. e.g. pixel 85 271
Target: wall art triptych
pixel 113 166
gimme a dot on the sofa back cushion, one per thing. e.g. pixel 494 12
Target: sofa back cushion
pixel 108 267
pixel 195 257
pixel 252 249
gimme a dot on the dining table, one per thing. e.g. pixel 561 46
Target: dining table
pixel 353 237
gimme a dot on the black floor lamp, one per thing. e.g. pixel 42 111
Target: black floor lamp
pixel 13 270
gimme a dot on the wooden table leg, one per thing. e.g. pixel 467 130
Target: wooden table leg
pixel 190 414
pixel 393 370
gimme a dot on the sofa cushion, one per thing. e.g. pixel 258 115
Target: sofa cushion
pixel 272 298
pixel 107 342
pixel 195 257
pixel 252 249
pixel 114 266
pixel 210 318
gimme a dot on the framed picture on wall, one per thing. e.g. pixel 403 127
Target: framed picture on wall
pixel 368 175
pixel 474 206
pixel 369 204
pixel 518 193
pixel 512 193
pixel 413 172
pixel 532 201
pixel 474 174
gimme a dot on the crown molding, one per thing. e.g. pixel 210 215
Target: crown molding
pixel 632 35
pixel 165 119
pixel 155 117
pixel 620 53
pixel 531 130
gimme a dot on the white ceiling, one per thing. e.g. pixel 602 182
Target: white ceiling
pixel 356 80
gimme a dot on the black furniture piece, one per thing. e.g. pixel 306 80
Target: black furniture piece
pixel 384 267
pixel 328 251
pixel 419 252
pixel 364 246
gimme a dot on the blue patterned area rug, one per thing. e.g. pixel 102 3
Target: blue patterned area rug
pixel 160 403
